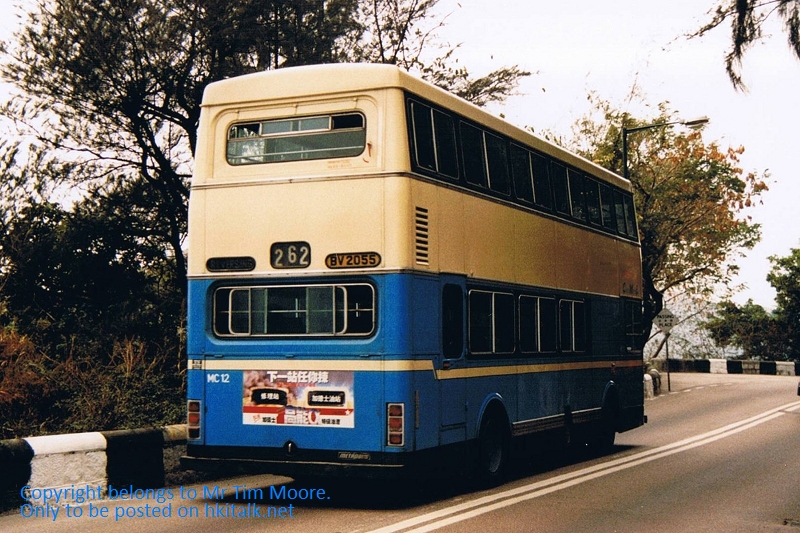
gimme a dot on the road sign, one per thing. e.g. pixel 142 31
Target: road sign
pixel 665 320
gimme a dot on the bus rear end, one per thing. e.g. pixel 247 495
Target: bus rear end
pixel 295 276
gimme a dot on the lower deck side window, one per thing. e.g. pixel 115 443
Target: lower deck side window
pixel 452 321
pixel 633 324
pixel 491 322
pixel 505 323
pixel 537 324
pixel 572 326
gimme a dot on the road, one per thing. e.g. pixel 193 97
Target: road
pixel 720 453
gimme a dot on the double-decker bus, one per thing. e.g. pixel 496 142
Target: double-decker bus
pixel 385 279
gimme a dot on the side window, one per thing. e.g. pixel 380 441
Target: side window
pixel 592 193
pixel 491 322
pixel 572 326
pixel 423 135
pixel 548 325
pixel 577 194
pixel 538 322
pixel 473 154
pixel 521 174
pixel 633 324
pixel 630 216
pixel 445 134
pixel 528 324
pixel 607 208
pixel 452 321
pixel 497 155
pixel 619 213
pixel 543 194
pixel 480 322
pixel 559 178
pixel 503 323
pixel 434 140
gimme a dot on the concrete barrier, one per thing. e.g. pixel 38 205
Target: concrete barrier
pixel 768 368
pixel 751 367
pixel 718 366
pixel 96 460
pixel 785 368
pixel 60 461
pixel 734 366
pixel 15 460
pixel 648 386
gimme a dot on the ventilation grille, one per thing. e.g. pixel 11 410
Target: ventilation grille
pixel 421 235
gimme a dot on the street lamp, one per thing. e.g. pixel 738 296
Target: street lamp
pixel 694 124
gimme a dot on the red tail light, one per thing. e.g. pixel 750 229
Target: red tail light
pixel 395 425
pixel 193 419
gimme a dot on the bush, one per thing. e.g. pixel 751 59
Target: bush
pixel 135 385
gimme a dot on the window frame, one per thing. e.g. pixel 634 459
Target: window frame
pixel 546 338
pixel 560 189
pixel 494 317
pixel 575 326
pixel 223 315
pixel 235 158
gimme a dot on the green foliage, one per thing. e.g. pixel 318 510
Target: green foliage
pixel 785 278
pixel 399 32
pixel 747 18
pixel 90 334
pixel 133 385
pixel 93 204
pixel 759 334
pixel 770 336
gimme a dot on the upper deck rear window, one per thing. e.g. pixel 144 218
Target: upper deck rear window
pixel 297 139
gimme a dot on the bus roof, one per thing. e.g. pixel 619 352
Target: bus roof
pixel 341 78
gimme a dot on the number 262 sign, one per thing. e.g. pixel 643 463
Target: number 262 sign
pixel 290 254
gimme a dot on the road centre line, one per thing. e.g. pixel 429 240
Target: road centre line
pixel 457 513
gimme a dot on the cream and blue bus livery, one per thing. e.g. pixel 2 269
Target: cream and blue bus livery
pixel 385 279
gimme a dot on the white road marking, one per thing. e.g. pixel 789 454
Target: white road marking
pixel 464 511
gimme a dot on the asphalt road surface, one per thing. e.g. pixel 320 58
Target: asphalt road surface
pixel 721 453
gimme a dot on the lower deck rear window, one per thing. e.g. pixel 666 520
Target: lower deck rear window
pixel 314 310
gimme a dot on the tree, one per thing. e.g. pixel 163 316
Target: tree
pixel 747 18
pixel 772 336
pixel 785 278
pixel 117 85
pixel 400 32
pixel 689 195
pixel 759 334
pixel 93 199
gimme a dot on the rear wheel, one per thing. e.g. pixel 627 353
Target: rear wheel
pixel 493 446
pixel 601 440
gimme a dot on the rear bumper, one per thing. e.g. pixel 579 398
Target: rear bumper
pixel 440 462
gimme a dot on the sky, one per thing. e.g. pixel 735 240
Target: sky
pixel 574 47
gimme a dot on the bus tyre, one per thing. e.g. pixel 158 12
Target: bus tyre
pixel 601 441
pixel 493 447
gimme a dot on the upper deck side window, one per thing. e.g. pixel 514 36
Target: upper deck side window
pixel 454 149
pixel 297 139
pixel 434 140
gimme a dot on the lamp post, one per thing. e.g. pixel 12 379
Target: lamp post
pixel 665 319
pixel 693 124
